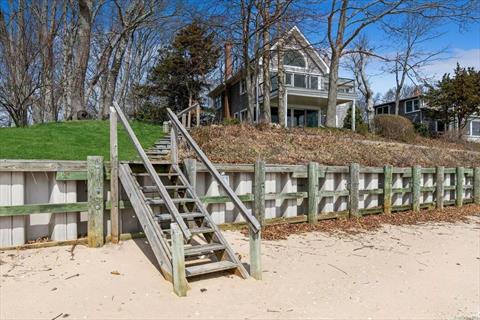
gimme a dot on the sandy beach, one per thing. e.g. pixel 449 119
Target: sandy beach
pixel 399 272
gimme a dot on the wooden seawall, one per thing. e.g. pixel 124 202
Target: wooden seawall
pixel 50 200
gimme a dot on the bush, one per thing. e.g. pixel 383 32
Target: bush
pixel 347 122
pixel 362 129
pixel 421 129
pixel 394 127
pixel 231 122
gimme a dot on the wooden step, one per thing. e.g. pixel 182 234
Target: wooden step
pixel 209 268
pixel 175 200
pixel 154 188
pixel 199 230
pixel 203 249
pixel 158 153
pixel 163 217
pixel 160 174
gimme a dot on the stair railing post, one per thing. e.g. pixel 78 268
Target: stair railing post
pixel 173 146
pixel 190 166
pixel 259 191
pixel 114 212
pixel 95 201
pixel 312 214
pixel 180 285
pixel 255 241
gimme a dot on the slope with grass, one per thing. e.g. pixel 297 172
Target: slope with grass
pixel 73 140
pixel 246 144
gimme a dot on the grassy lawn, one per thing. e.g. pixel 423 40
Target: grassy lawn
pixel 73 140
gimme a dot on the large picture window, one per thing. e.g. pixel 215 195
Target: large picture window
pixel 475 129
pixel 294 58
pixel 412 106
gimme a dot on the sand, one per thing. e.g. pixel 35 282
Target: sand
pixel 430 272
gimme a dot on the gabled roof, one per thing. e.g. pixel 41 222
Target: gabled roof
pixel 415 96
pixel 300 37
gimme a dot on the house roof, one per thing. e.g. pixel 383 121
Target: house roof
pixel 300 37
pixel 401 100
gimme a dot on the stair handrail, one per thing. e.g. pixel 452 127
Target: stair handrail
pixel 250 218
pixel 153 174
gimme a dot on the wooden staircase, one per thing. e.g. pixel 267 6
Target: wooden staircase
pixel 206 251
pixel 185 240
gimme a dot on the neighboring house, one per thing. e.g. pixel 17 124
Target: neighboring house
pixel 415 109
pixel 306 89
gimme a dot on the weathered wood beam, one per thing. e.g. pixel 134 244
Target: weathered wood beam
pixel 312 192
pixel 354 189
pixel 27 209
pixel 114 188
pixel 180 285
pixel 416 184
pixel 387 189
pixel 95 201
pixel 259 191
pixel 460 180
pixel 440 188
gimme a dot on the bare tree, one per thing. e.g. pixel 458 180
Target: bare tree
pixel 358 62
pixel 346 19
pixel 412 34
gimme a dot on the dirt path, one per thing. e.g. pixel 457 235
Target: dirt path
pixel 430 271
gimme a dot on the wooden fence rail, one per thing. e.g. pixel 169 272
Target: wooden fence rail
pixel 324 192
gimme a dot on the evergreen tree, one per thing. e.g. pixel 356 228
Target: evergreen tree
pixel 347 122
pixel 454 99
pixel 180 74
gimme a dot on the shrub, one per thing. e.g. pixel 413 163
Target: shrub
pixel 362 129
pixel 394 127
pixel 347 122
pixel 421 129
pixel 231 121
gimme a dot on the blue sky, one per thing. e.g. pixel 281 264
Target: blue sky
pixel 462 46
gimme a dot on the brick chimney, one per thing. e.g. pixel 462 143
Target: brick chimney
pixel 228 60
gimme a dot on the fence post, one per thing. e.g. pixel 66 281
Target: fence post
pixel 198 116
pixel 259 191
pixel 476 185
pixel 354 188
pixel 387 189
pixel 180 285
pixel 312 192
pixel 255 254
pixel 440 176
pixel 416 180
pixel 95 201
pixel 460 177
pixel 191 171
pixel 114 212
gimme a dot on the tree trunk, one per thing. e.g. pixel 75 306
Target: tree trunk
pixel 82 53
pixel 265 115
pixel 282 103
pixel 332 90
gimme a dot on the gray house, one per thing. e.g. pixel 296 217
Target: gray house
pixel 416 110
pixel 306 89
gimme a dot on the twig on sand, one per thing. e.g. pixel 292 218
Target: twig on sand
pixel 363 247
pixel 331 265
pixel 58 316
pixel 73 276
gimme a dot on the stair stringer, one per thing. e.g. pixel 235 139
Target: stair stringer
pixel 144 213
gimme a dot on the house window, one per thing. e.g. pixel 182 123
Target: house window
pixel 274 80
pixel 475 128
pixel 294 58
pixel 314 82
pixel 217 102
pixel 289 79
pixel 243 115
pixel 300 81
pixel 412 106
pixel 243 86
pixel 383 110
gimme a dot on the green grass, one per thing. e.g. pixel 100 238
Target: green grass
pixel 73 140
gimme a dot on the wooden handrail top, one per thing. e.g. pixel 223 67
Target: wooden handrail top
pixel 187 109
pixel 250 218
